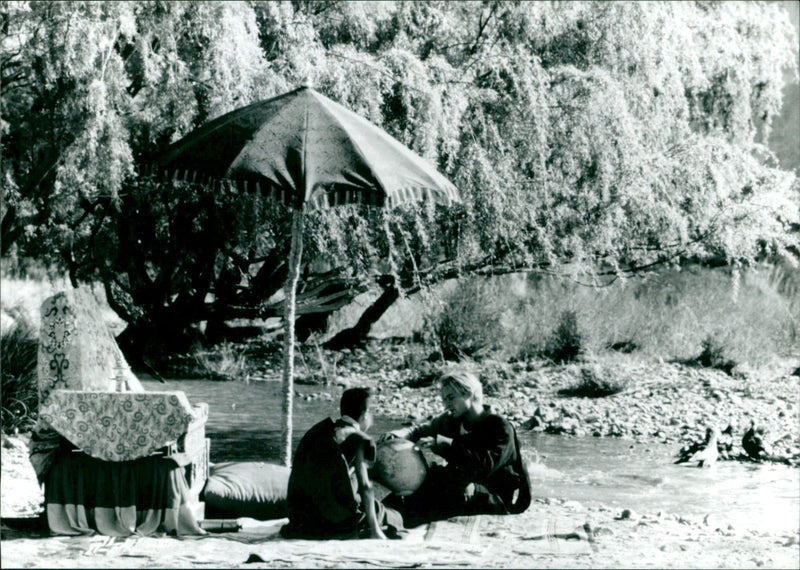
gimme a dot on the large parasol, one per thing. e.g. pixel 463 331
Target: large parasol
pixel 308 152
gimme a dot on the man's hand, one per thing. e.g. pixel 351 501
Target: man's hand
pixel 389 435
pixel 427 442
pixel 386 437
pixel 439 444
pixel 442 445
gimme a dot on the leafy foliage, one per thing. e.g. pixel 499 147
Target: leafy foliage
pixel 609 136
pixel 19 348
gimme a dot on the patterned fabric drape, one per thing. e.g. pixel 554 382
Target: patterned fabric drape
pixel 92 421
pixel 76 349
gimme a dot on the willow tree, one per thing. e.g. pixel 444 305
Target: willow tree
pixel 91 89
pixel 609 136
pixel 623 133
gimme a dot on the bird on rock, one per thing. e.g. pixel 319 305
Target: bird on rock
pixel 704 452
pixel 725 442
pixel 754 442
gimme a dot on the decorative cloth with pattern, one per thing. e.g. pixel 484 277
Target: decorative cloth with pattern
pixel 120 426
pixel 76 349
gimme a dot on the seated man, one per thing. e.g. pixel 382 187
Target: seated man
pixel 485 472
pixel 330 494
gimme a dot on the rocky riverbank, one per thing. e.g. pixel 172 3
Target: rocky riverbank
pixel 667 402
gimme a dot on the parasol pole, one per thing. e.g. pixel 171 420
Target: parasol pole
pixel 290 292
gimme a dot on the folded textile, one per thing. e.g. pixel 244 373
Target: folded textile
pixel 45 443
pixel 84 495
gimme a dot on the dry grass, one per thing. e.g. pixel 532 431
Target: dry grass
pixel 676 315
pixel 469 321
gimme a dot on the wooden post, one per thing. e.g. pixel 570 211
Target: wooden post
pixel 290 290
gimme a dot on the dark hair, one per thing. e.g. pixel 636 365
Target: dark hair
pixel 354 402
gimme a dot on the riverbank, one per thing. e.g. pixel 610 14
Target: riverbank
pixel 660 402
pixel 641 540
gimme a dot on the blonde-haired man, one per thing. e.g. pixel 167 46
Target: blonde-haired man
pixel 485 472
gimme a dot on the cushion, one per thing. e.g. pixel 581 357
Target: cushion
pixel 247 489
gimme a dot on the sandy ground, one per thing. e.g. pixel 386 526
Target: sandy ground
pixel 643 540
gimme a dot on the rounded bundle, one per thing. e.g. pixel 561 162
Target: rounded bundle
pixel 400 466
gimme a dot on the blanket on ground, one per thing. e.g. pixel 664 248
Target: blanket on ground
pixel 459 542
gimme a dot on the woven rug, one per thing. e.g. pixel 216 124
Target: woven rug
pixel 546 535
pixel 459 542
pixel 457 529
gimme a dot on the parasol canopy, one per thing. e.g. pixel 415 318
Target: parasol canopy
pixel 308 152
pixel 304 149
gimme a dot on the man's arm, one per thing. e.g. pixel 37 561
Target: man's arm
pixel 417 431
pixel 484 450
pixel 367 493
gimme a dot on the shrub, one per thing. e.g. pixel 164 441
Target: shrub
pixel 19 392
pixel 224 362
pixel 469 324
pixel 550 315
pixel 714 355
pixel 565 343
pixel 594 383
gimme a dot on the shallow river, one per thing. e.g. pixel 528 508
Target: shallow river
pixel 244 424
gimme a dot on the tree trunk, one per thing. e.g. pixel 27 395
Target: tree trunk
pixel 10 229
pixel 263 284
pixel 295 254
pixel 357 334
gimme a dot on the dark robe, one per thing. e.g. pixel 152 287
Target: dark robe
pixel 323 497
pixel 485 471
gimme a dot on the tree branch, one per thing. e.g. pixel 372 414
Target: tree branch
pixel 481 28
